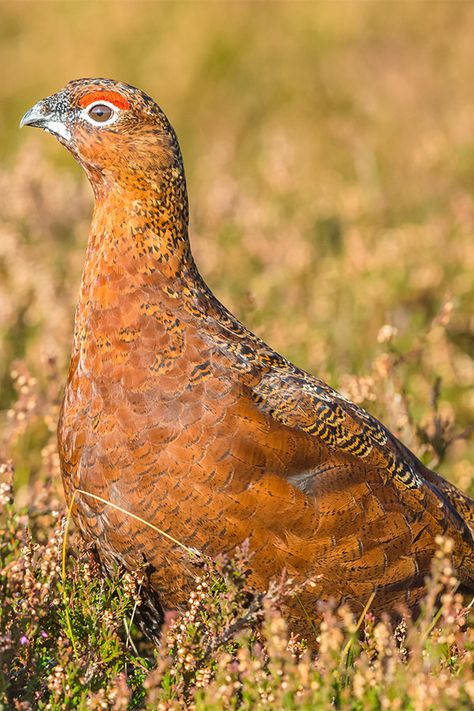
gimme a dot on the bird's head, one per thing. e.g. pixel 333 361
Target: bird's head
pixel 118 133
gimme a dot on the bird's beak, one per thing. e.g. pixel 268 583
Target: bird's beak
pixel 36 116
pixel 40 116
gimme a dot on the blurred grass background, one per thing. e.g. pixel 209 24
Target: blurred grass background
pixel 329 149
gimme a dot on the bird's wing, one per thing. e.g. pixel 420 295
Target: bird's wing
pixel 349 434
pixel 382 507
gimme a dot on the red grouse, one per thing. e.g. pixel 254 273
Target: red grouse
pixel 178 414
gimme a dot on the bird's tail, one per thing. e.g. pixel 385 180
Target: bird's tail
pixel 460 501
pixel 463 506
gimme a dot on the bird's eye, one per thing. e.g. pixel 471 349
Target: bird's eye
pixel 100 113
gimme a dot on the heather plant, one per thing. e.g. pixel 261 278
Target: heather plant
pixel 68 641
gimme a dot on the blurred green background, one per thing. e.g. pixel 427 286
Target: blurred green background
pixel 329 149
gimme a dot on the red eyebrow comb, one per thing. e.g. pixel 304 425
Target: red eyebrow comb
pixel 112 96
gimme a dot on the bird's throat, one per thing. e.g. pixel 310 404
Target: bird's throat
pixel 142 230
pixel 138 245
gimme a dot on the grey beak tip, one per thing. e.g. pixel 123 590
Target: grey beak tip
pixel 42 116
pixel 36 116
pixel 30 116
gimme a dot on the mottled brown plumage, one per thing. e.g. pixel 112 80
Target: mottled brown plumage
pixel 175 412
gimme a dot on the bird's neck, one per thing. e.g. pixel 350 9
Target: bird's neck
pixel 142 225
pixel 138 243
